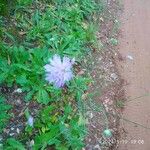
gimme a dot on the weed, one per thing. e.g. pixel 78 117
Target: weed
pixel 4 116
pixel 35 32
pixel 114 41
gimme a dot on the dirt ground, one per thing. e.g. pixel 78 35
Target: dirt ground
pixel 106 88
pixel 135 48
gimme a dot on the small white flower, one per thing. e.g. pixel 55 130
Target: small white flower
pixel 30 121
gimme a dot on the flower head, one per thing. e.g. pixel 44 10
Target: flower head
pixel 30 121
pixel 59 71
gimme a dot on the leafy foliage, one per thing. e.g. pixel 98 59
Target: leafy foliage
pixel 35 32
pixel 59 130
pixel 4 117
pixel 13 144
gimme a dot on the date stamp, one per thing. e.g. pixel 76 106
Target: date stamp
pixel 120 142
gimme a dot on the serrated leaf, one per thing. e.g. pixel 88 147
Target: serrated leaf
pixel 22 80
pixel 43 97
pixel 29 95
pixel 15 144
pixel 48 138
pixel 10 36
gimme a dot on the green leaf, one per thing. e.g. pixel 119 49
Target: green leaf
pixel 22 80
pixel 46 114
pixel 15 144
pixel 2 77
pixel 29 95
pixel 42 96
pixel 10 36
pixel 4 116
pixel 20 66
pixel 36 17
pixel 27 114
pixel 24 2
pixel 48 138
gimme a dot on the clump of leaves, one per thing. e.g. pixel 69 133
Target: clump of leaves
pixel 57 28
pixel 35 32
pixel 4 116
pixel 114 41
pixel 6 7
pixel 60 129
pixel 13 144
pixel 3 7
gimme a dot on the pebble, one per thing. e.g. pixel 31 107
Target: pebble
pixel 91 115
pixel 31 142
pixel 114 76
pixel 11 134
pixel 18 101
pixel 19 90
pixel 6 131
pixel 12 128
pixel 130 57
pixel 81 72
pixel 97 147
pixel 90 140
pixel 18 131
pixel 93 126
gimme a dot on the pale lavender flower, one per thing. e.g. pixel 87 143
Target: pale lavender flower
pixel 59 71
pixel 30 121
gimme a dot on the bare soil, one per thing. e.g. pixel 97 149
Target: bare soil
pixel 106 89
pixel 135 47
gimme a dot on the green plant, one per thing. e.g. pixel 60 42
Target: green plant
pixel 3 7
pixel 4 116
pixel 35 32
pixel 59 128
pixel 24 2
pixel 114 41
pixel 12 144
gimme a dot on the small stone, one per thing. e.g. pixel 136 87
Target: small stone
pixel 81 72
pixel 11 134
pixel 89 140
pixel 97 147
pixel 116 21
pixel 18 131
pixel 130 57
pixel 19 90
pixel 93 126
pixel 12 128
pixel 102 19
pixel 6 131
pixel 100 58
pixel 18 101
pixel 31 142
pixel 91 115
pixel 114 76
pixel 84 96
